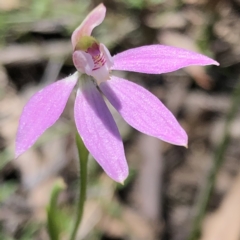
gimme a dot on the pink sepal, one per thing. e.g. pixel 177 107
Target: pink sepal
pixel 99 132
pixel 93 19
pixel 143 111
pixel 42 111
pixel 158 59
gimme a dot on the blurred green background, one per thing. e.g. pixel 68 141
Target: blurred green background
pixel 172 193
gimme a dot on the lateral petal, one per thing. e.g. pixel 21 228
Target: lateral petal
pixel 42 111
pixel 143 111
pixel 83 62
pixel 99 132
pixel 93 19
pixel 158 59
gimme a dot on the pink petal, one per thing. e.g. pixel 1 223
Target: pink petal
pixel 107 55
pixel 99 132
pixel 158 59
pixel 42 111
pixel 93 19
pixel 143 111
pixel 83 62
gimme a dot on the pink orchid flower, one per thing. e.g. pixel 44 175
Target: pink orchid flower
pixel 95 124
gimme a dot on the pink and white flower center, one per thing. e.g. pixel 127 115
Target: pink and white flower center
pixel 96 62
pixel 97 56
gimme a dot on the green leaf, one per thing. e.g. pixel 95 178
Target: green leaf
pixel 53 219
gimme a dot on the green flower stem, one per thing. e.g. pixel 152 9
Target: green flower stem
pixel 83 159
pixel 218 161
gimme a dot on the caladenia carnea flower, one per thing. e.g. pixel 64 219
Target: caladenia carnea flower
pixel 95 124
